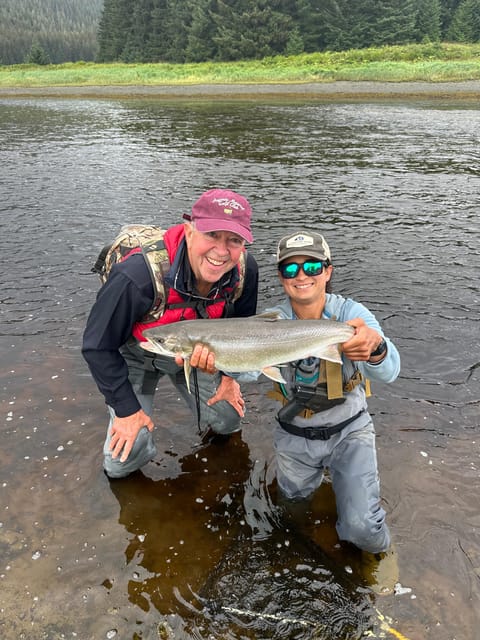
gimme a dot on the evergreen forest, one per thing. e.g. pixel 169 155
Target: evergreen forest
pixel 225 30
pixel 44 31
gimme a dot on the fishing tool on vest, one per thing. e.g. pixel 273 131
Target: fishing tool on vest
pixel 310 391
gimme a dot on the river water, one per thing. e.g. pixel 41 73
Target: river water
pixel 191 548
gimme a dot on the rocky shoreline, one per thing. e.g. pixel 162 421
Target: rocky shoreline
pixel 318 90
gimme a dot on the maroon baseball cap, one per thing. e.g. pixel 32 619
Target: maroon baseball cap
pixel 222 210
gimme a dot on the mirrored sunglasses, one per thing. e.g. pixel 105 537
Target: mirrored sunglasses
pixel 310 268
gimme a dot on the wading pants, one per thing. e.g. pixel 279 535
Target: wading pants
pixel 221 417
pixel 352 462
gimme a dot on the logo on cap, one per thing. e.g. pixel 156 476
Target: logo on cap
pixel 299 241
pixel 228 204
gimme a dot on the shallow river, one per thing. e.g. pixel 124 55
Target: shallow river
pixel 191 548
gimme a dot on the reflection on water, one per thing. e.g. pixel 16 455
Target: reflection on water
pixel 205 497
pixel 194 546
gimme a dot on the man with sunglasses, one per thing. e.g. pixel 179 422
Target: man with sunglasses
pixel 324 421
pixel 201 269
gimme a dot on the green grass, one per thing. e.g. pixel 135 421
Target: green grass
pixel 435 62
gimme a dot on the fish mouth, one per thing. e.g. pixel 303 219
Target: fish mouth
pixel 154 346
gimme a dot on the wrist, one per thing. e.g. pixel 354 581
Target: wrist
pixel 379 353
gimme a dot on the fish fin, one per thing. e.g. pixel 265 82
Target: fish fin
pixel 331 353
pixel 269 315
pixel 186 369
pixel 273 373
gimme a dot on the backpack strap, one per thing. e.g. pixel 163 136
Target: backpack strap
pixel 158 262
pixel 99 265
pixel 242 268
pixel 136 238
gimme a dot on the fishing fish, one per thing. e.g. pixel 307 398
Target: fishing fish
pixel 258 343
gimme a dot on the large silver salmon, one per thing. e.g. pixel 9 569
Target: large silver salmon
pixel 259 343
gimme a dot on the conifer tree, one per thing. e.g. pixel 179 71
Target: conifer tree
pixel 37 55
pixel 156 43
pixel 250 29
pixel 465 25
pixel 428 21
pixel 200 38
pixel 134 49
pixel 114 29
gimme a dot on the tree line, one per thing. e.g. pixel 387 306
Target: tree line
pixel 44 31
pixel 225 30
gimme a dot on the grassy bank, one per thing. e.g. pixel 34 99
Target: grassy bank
pixel 428 63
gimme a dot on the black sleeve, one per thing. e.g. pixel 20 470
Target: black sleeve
pixel 122 300
pixel 246 305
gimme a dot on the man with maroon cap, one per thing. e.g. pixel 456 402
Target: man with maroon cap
pixel 209 275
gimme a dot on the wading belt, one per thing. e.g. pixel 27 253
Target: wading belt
pixel 317 433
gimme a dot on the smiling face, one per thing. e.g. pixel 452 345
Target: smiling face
pixel 212 254
pixel 306 292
